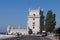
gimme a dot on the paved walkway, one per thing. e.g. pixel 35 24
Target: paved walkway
pixel 28 38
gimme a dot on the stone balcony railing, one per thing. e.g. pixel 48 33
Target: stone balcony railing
pixel 33 16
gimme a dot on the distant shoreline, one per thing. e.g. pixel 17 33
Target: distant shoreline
pixel 3 33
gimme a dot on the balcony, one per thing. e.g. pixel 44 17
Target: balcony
pixel 31 16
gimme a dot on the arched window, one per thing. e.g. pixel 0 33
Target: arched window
pixel 33 18
pixel 34 14
pixel 33 27
pixel 33 22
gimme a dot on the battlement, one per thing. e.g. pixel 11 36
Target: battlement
pixel 38 9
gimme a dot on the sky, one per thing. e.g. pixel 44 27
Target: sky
pixel 15 12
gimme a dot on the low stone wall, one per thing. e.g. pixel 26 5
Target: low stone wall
pixel 6 36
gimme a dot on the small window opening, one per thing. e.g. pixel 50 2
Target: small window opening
pixel 34 14
pixel 33 27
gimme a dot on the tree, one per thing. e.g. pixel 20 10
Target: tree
pixel 58 30
pixel 50 21
pixel 30 31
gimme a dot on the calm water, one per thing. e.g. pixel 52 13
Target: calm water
pixel 3 33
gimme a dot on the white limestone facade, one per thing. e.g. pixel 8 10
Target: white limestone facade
pixel 35 23
pixel 35 20
pixel 11 30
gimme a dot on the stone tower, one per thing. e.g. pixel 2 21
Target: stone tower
pixel 36 20
pixel 8 29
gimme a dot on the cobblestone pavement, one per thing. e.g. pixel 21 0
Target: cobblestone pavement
pixel 28 38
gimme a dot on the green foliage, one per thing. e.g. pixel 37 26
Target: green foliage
pixel 50 21
pixel 58 30
pixel 30 31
